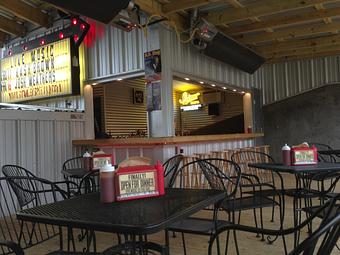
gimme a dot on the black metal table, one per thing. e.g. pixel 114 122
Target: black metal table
pixel 304 176
pixel 136 217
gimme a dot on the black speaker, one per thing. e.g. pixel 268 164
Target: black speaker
pixel 101 10
pixel 214 109
pixel 229 51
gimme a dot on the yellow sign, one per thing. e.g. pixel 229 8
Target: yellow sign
pixel 189 99
pixel 39 73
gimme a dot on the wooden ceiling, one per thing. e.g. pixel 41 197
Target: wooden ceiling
pixel 279 30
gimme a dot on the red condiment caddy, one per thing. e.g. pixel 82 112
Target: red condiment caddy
pixel 304 156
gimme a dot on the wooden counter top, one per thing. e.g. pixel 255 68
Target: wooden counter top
pixel 165 140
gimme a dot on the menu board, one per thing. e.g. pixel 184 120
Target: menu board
pixel 38 73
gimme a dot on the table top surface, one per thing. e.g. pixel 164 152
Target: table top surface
pixel 317 168
pixel 142 216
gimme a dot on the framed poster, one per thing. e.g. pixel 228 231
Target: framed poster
pixel 153 65
pixel 138 96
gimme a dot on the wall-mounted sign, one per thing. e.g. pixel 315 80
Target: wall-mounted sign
pixel 153 77
pixel 42 72
pixel 192 107
pixel 189 99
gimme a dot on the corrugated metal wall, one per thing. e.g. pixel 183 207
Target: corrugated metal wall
pixel 184 58
pixel 122 116
pixel 39 141
pixel 283 80
pixel 114 51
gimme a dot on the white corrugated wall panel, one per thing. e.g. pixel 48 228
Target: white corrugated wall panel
pixel 115 52
pixel 287 79
pixel 39 141
pixel 186 59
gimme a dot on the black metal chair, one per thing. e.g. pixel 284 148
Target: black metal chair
pixel 218 180
pixel 32 191
pixel 262 185
pixel 75 168
pixel 329 229
pixel 17 171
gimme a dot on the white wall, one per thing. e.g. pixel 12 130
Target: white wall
pixel 39 141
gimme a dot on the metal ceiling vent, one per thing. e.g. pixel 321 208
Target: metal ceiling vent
pixel 210 42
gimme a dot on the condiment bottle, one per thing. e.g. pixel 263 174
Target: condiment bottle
pixel 286 155
pixel 106 176
pixel 87 160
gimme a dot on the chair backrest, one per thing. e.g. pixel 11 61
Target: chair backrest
pixel 11 171
pixel 10 226
pixel 74 163
pixel 243 158
pixel 220 174
pixel 324 147
pixel 171 166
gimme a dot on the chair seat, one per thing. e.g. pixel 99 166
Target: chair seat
pixel 247 203
pixel 264 193
pixel 334 212
pixel 302 193
pixel 199 226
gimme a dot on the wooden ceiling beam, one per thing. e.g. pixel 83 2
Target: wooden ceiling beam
pixel 262 8
pixel 298 44
pixel 303 56
pixel 25 11
pixel 11 27
pixel 3 37
pixel 153 7
pixel 175 6
pixel 304 51
pixel 285 20
pixel 289 33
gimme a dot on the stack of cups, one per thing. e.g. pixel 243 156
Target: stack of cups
pixel 107 188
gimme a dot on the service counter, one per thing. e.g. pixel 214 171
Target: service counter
pixel 165 147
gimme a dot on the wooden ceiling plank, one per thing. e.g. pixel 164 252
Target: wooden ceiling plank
pixel 304 51
pixel 288 33
pixel 11 27
pixel 299 44
pixel 25 11
pixel 3 37
pixel 285 20
pixel 303 56
pixel 262 8
pixel 154 7
pixel 175 6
